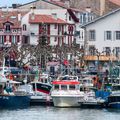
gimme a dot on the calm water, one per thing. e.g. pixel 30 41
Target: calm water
pixel 51 113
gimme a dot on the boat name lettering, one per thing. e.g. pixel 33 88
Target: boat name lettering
pixel 4 97
pixel 44 86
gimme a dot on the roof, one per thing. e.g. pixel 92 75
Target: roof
pixel 65 82
pixel 45 19
pixel 102 17
pixel 117 2
pixel 60 4
pixel 10 17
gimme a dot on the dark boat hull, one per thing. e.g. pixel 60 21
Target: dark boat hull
pixel 14 101
pixel 42 87
pixel 114 102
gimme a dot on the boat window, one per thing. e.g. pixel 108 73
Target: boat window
pixel 41 80
pixel 63 87
pixel 72 87
pixel 45 80
pixel 117 81
pixel 115 88
pixel 56 87
pixel 77 87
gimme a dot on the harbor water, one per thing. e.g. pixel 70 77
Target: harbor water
pixel 52 113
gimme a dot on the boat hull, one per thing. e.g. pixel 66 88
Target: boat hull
pixel 115 105
pixel 14 101
pixel 41 100
pixel 63 101
pixel 114 101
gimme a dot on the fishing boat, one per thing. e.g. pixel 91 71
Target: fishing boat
pixel 11 97
pixel 91 101
pixel 86 82
pixel 66 92
pixel 41 90
pixel 114 98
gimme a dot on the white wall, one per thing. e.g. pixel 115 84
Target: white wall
pixel 109 23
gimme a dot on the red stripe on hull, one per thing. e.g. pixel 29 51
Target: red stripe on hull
pixel 43 91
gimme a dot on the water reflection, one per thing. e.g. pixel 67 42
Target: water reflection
pixel 51 113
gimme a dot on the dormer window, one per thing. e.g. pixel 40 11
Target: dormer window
pixel 7 28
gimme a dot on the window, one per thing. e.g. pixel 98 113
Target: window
pixel 108 35
pixel 14 39
pixel 117 35
pixel 7 28
pixel 92 35
pixel 92 50
pixel 117 51
pixel 108 50
pixel 72 87
pixel 55 40
pixel 56 87
pixel 63 87
pixel 69 18
pixel 25 39
pixel 1 30
pixel 24 27
pixel 14 30
pixel 1 39
pixel 55 26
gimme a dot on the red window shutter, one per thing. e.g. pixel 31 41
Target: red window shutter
pixel 18 38
pixel 4 38
pixel 10 38
pixel 62 29
pixel 48 31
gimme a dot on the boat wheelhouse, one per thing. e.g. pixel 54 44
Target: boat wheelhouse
pixel 66 93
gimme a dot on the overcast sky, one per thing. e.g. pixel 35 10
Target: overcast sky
pixel 10 2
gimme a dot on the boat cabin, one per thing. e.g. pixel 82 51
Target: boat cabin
pixel 66 85
pixel 68 77
pixel 114 80
pixel 87 82
pixel 44 78
pixel 116 87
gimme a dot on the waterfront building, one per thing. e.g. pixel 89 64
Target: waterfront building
pixel 102 38
pixel 10 27
pixel 59 26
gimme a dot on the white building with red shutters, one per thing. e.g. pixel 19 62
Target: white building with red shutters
pixel 10 27
pixel 59 26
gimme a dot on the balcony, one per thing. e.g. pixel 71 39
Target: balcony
pixel 100 58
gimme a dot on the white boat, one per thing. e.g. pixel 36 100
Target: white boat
pixel 90 100
pixel 66 92
pixel 86 82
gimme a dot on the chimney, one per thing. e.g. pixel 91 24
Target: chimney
pixel 32 12
pixel 102 7
pixel 88 9
pixel 32 16
pixel 19 16
pixel 67 3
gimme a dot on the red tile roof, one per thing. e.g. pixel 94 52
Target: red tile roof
pixel 117 2
pixel 12 17
pixel 45 19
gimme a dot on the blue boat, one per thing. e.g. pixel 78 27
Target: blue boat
pixel 14 101
pixel 10 96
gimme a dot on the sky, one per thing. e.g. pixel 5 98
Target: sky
pixel 10 2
